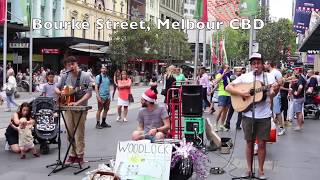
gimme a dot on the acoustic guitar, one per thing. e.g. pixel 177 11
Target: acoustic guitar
pixel 243 104
pixel 69 94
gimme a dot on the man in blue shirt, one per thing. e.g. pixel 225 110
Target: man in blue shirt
pixel 102 89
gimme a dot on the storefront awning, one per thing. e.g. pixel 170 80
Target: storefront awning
pixel 15 27
pixel 312 42
pixel 90 48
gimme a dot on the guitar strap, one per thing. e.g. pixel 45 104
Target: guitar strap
pixel 79 93
pixel 265 82
pixel 78 80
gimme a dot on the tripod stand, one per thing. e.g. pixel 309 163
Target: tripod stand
pixel 58 161
pixel 253 128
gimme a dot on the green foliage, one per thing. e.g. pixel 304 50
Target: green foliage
pixel 276 39
pixel 236 43
pixel 143 44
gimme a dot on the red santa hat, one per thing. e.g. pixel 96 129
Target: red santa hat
pixel 149 96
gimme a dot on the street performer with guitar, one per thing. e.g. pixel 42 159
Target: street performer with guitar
pixel 71 85
pixel 255 122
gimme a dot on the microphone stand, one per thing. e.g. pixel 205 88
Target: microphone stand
pixel 253 109
pixel 58 161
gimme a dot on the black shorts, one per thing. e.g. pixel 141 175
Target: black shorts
pixel 12 136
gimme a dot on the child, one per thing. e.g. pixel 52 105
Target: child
pixel 25 138
pixel 49 88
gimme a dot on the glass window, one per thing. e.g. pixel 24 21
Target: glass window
pixel 185 10
pixel 72 30
pixel 192 1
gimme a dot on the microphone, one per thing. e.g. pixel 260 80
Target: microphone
pixel 66 72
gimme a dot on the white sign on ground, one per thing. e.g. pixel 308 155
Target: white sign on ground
pixel 143 160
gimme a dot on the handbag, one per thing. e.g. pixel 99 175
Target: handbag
pixel 131 98
pixel 9 92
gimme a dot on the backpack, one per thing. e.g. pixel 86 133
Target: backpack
pixel 100 81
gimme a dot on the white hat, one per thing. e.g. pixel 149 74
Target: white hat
pixel 255 56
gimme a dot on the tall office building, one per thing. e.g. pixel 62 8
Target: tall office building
pixel 171 9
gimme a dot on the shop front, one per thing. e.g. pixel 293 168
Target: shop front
pixel 311 45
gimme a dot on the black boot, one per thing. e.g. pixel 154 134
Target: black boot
pixel 104 124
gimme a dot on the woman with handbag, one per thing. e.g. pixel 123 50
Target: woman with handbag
pixel 124 96
pixel 10 88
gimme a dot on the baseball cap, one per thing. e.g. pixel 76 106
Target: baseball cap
pixel 255 56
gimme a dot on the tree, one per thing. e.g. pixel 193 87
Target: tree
pixel 156 43
pixel 276 40
pixel 236 44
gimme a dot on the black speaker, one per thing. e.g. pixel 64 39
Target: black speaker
pixel 192 100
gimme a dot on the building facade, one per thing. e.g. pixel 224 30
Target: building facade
pixel 172 10
pixel 152 10
pixel 91 11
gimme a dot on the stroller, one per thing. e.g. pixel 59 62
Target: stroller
pixel 46 124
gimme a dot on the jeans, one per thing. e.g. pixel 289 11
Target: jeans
pixel 11 101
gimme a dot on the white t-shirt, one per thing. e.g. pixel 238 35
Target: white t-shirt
pixel 276 73
pixel 263 109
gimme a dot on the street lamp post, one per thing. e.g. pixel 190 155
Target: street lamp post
pixel 30 49
pixel 5 36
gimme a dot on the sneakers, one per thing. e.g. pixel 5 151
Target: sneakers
pixel 282 131
pixel 222 128
pixel 118 119
pixel 105 125
pixel 71 160
pixel 98 126
pixel 125 120
pixel 297 128
pixel 23 156
pixel 79 160
pixel 238 128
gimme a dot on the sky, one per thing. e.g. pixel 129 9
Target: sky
pixel 281 9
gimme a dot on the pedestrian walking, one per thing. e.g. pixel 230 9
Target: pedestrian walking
pixel 124 90
pixel 10 88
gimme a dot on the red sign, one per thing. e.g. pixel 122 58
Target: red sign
pixel 50 51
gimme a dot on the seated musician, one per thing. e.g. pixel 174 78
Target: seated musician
pixel 153 119
pixel 76 79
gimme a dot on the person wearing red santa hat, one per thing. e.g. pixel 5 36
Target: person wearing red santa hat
pixel 153 119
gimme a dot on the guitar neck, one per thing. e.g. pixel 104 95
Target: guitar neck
pixel 263 88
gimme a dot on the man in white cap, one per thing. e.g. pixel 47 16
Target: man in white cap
pixel 153 119
pixel 258 125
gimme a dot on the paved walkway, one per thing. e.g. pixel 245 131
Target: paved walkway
pixel 294 156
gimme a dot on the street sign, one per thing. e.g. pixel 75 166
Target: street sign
pixel 50 51
pixel 255 47
pixel 19 45
pixel 17 59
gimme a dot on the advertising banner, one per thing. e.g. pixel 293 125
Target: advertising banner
pixel 137 9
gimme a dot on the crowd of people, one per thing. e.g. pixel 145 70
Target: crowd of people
pixel 282 103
